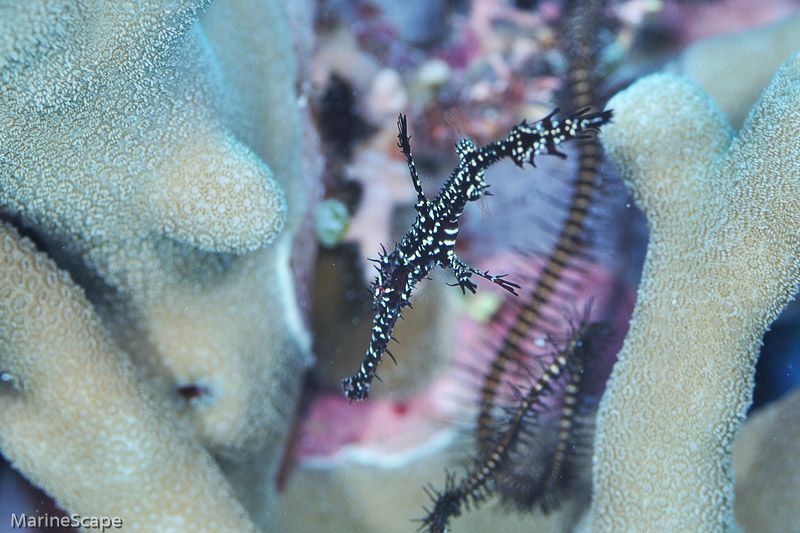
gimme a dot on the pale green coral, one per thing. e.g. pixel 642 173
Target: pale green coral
pixel 722 261
pixel 766 460
pixel 160 164
pixel 734 69
pixel 77 422
pixel 122 165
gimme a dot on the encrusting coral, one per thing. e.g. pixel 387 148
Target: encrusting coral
pixel 722 262
pixel 133 149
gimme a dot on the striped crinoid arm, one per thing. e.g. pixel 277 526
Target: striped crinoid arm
pixel 582 21
pixel 579 38
pixel 530 313
pixel 553 443
pixel 505 467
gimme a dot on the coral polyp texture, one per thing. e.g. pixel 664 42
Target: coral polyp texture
pixel 78 423
pixel 432 237
pixel 723 260
pixel 159 164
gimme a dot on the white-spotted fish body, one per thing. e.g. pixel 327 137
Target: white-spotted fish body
pixel 431 240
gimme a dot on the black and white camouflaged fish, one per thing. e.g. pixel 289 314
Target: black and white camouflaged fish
pixel 432 237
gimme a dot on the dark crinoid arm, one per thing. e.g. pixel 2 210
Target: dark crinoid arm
pixel 507 468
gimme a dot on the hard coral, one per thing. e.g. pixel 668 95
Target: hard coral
pixel 766 462
pixel 734 69
pixel 76 421
pixel 132 148
pixel 723 260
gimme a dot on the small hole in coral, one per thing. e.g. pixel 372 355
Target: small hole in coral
pixel 191 391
